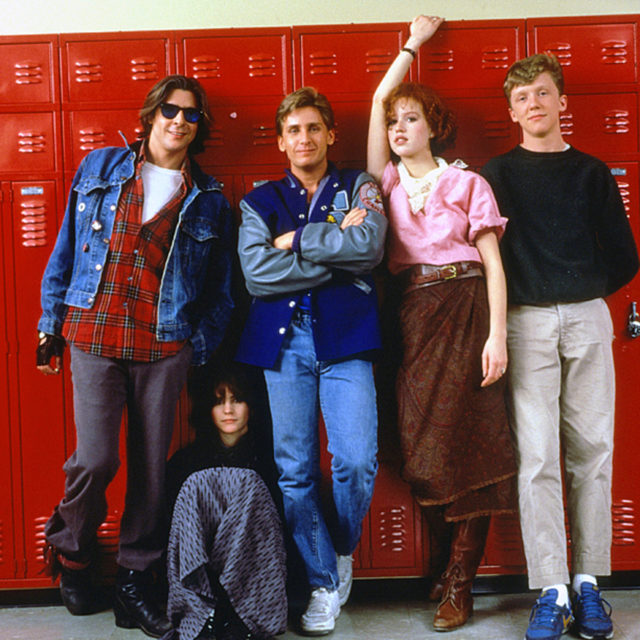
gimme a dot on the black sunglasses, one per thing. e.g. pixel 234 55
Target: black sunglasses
pixel 170 111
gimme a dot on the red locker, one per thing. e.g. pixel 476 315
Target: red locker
pixel 484 128
pixel 592 51
pixel 30 142
pixel 626 494
pixel 242 134
pixel 92 129
pixel 345 60
pixel 9 429
pixel 395 536
pixel 245 72
pixel 29 71
pixel 602 124
pixel 238 64
pixel 99 69
pixel 39 409
pixel 464 55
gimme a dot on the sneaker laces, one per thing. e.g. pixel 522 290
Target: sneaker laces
pixel 593 605
pixel 319 602
pixel 544 612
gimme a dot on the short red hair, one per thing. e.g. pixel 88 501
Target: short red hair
pixel 440 118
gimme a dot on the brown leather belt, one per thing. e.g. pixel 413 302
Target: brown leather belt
pixel 424 275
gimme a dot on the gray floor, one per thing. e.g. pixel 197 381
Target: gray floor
pixel 377 610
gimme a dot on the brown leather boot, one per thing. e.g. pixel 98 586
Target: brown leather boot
pixel 440 533
pixel 467 547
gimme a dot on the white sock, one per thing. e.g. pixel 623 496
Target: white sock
pixel 563 594
pixel 579 578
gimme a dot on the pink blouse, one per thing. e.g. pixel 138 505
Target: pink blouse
pixel 460 206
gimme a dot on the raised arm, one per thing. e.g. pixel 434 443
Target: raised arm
pixel 378 153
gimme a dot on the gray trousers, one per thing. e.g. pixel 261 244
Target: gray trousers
pixel 562 391
pixel 101 389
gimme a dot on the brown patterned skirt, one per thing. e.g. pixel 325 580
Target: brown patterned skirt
pixel 456 443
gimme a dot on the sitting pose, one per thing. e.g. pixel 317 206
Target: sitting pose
pixel 226 559
pixel 443 251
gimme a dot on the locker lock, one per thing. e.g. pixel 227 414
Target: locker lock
pixel 633 323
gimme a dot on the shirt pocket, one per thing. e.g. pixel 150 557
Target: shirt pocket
pixel 197 237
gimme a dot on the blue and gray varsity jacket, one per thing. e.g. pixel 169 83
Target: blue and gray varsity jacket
pixel 332 264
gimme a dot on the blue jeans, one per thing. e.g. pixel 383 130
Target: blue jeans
pixel 344 391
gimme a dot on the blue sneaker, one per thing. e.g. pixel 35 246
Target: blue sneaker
pixel 592 613
pixel 548 620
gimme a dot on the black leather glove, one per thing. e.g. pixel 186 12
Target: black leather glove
pixel 48 347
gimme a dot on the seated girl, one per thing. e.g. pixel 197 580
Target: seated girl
pixel 226 558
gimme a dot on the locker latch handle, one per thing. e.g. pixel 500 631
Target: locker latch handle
pixel 633 323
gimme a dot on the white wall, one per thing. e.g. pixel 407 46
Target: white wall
pixel 72 16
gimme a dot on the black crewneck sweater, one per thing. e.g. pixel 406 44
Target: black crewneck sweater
pixel 568 238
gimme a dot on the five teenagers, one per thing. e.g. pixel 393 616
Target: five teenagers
pixel 500 280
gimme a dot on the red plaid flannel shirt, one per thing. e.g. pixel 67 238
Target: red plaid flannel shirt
pixel 122 321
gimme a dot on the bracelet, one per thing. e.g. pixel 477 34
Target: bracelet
pixel 411 51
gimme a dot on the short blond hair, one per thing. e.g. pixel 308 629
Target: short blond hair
pixel 525 71
pixel 305 97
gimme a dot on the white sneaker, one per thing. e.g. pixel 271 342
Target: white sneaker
pixel 345 576
pixel 320 617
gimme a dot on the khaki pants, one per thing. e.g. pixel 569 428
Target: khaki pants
pixel 561 401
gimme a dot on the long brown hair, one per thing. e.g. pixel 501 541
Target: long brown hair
pixel 161 91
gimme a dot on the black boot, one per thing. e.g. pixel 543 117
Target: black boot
pixel 228 624
pixel 77 590
pixel 134 605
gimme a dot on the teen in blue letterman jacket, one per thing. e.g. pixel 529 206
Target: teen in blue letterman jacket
pixel 307 245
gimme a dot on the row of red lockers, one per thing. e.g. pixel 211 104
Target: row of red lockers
pixel 61 96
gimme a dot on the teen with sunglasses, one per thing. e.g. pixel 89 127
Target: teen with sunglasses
pixel 138 284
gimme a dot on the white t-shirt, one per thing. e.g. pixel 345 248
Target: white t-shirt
pixel 160 185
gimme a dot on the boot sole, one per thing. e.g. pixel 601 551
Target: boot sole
pixel 125 622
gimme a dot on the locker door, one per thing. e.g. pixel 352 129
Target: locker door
pixel 245 73
pixel 242 135
pixel 465 55
pixel 40 410
pixel 8 429
pixel 93 129
pixel 626 350
pixel 504 552
pixel 352 122
pixel 395 534
pixel 592 51
pixel 239 64
pixel 484 128
pixel 346 59
pixel 30 142
pixel 112 68
pixel 28 71
pixel 603 123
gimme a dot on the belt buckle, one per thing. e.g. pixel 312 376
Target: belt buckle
pixel 453 271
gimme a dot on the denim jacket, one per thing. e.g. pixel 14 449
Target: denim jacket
pixel 195 291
